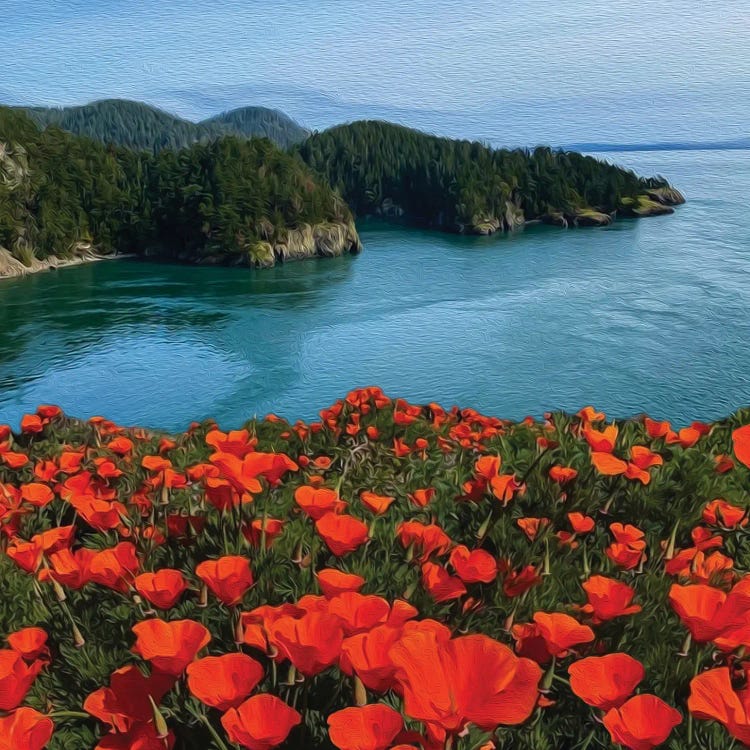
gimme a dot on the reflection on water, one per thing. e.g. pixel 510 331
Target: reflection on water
pixel 647 315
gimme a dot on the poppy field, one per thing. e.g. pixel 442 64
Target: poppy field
pixel 389 577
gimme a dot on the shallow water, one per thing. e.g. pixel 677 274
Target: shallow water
pixel 650 315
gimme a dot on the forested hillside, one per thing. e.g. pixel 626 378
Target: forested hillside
pixel 231 200
pixel 142 127
pixel 381 168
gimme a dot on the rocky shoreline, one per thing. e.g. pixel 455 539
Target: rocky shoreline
pixel 11 267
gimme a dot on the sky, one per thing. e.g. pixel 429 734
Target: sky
pixel 531 71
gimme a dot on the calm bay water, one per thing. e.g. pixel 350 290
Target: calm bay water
pixel 650 315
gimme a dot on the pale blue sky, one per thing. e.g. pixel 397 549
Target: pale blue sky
pixel 558 71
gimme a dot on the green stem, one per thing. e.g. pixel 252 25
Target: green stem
pixel 69 715
pixel 214 734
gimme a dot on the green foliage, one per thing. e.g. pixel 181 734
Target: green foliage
pixel 459 185
pixel 142 127
pixel 61 194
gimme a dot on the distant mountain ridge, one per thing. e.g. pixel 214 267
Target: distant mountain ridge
pixel 142 127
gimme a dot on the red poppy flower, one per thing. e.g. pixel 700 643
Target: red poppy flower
pixel 125 703
pixel 229 578
pixel 608 598
pixel 471 679
pixel 532 526
pixel 366 655
pixel 262 722
pixel 16 678
pixel 641 723
pixel 372 727
pixel 114 568
pixel 334 582
pixel 29 642
pixel 723 463
pixel 25 729
pixel 441 586
pixel 341 533
pixel 629 547
pixel 519 582
pixel 714 698
pixel 223 682
pixel 605 682
pixel 359 612
pixel 254 533
pixel 721 513
pixel 163 589
pixel 475 566
pixel 561 632
pixel 317 502
pixel 741 444
pixel 31 424
pixel 170 646
pixel 429 539
pixel 312 643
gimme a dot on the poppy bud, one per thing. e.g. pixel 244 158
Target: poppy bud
pixel 160 724
pixel 669 554
pixel 78 638
pixel 203 599
pixel 360 693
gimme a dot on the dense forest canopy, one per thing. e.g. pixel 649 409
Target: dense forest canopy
pixel 140 126
pixel 238 200
pixel 61 193
pixel 464 186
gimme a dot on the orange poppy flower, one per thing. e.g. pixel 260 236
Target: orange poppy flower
pixel 25 729
pixel 229 578
pixel 608 598
pixel 317 502
pixel 312 642
pixel 532 526
pixel 14 460
pixel 700 609
pixel 16 678
pixel 237 442
pixel 713 697
pixel 605 682
pixel 170 646
pixel 475 566
pixel 31 424
pixel 378 504
pixel 562 474
pixel 372 727
pixel 721 513
pixel 262 722
pixel 643 722
pixel 581 523
pixel 223 682
pixel 601 440
pixel 121 445
pixel 38 495
pixel 29 642
pixel 561 632
pixel 334 582
pixel 71 569
pixel 504 486
pixel 429 539
pixel 590 414
pixel 422 497
pixel 341 533
pixel 471 679
pixel 163 589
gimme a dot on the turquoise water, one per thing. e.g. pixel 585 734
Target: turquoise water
pixel 650 315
